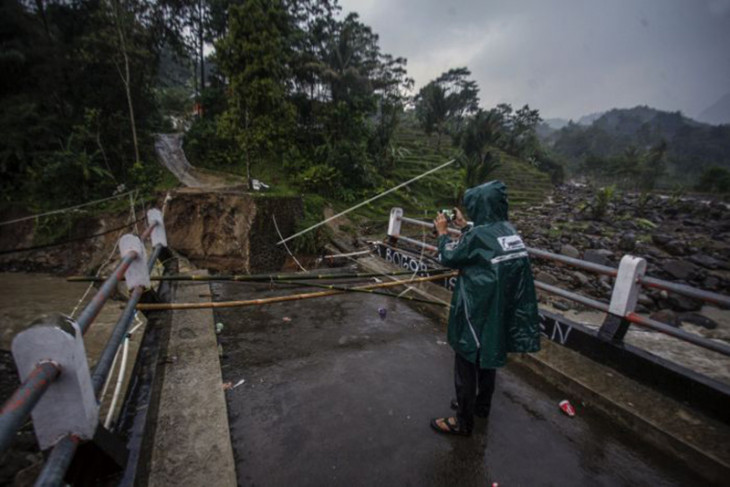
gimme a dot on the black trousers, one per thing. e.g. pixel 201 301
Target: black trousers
pixel 474 389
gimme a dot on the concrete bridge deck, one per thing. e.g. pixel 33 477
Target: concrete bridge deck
pixel 337 396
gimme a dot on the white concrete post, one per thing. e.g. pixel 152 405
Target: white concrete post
pixel 626 288
pixel 395 222
pixel 137 273
pixel 159 236
pixel 69 405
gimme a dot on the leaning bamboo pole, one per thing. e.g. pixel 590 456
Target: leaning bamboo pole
pixel 260 277
pixel 369 291
pixel 281 299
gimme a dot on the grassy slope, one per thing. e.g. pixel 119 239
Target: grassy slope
pixel 416 153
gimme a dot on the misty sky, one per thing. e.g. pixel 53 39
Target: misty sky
pixel 567 58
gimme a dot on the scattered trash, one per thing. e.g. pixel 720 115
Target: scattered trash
pixel 258 185
pixel 440 342
pixel 218 328
pixel 495 484
pixel 382 312
pixel 227 386
pixel 220 350
pixel 238 383
pixel 567 408
pixel 286 319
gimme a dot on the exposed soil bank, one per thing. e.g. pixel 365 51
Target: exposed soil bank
pixel 230 230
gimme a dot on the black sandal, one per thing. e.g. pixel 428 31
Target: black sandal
pixel 452 425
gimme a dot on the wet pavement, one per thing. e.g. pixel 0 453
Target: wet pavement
pixel 337 396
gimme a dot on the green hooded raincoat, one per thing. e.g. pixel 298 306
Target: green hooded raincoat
pixel 494 306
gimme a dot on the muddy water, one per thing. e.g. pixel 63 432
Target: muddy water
pixel 24 297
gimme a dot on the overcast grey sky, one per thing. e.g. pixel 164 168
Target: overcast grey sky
pixel 567 58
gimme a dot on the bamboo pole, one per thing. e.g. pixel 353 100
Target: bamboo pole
pixel 281 299
pixel 369 291
pixel 261 277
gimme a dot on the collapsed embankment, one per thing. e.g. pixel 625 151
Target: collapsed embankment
pixel 223 230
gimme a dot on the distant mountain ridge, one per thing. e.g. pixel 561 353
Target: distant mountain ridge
pixel 692 146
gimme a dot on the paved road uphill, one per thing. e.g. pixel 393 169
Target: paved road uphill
pixel 333 395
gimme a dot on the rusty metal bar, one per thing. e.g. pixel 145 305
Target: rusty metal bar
pixel 17 408
pixel 682 289
pixel 97 302
pixel 685 290
pixel 639 320
pixel 58 462
pixel 148 231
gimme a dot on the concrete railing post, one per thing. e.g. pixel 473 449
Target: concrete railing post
pixel 137 273
pixel 394 223
pixel 155 220
pixel 69 405
pixel 623 299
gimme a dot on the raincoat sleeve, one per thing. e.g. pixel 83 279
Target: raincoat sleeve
pixel 456 254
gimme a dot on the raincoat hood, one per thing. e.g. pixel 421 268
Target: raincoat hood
pixel 486 203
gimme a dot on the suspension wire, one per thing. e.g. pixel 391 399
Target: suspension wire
pixel 72 240
pixel 369 200
pixel 63 210
pixel 273 217
pixel 132 215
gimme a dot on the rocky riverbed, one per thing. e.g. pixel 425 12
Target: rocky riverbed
pixel 686 241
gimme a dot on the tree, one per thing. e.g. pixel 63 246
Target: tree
pixel 444 103
pixel 254 57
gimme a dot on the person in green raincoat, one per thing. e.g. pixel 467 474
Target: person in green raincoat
pixel 494 305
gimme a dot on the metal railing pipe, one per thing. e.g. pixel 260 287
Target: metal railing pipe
pixel 419 243
pixel 104 365
pixel 677 333
pixel 17 408
pixel 578 298
pixel 583 264
pixel 58 462
pixel 148 231
pixel 426 224
pixel 700 294
pixel 153 257
pixel 639 320
pixel 685 290
pixel 97 302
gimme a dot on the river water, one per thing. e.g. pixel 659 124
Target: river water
pixel 24 297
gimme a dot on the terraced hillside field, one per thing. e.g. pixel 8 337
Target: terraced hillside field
pixel 416 153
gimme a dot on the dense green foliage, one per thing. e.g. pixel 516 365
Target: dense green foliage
pixel 308 93
pixel 618 145
pixel 77 97
pixel 443 104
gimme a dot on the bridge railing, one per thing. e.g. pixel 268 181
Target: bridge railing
pixel 624 296
pixel 59 390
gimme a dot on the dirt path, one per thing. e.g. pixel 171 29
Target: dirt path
pixel 170 151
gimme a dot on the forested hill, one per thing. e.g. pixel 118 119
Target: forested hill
pixel 690 147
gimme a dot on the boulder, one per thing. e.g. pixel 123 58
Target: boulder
pixel 627 242
pixel 666 316
pixel 660 239
pixel 598 256
pixel 546 278
pixel 683 303
pixel 679 269
pixel 570 251
pixel 705 261
pixel 676 247
pixel 698 320
pixel 581 279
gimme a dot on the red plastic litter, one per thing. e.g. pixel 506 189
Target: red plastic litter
pixel 567 408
